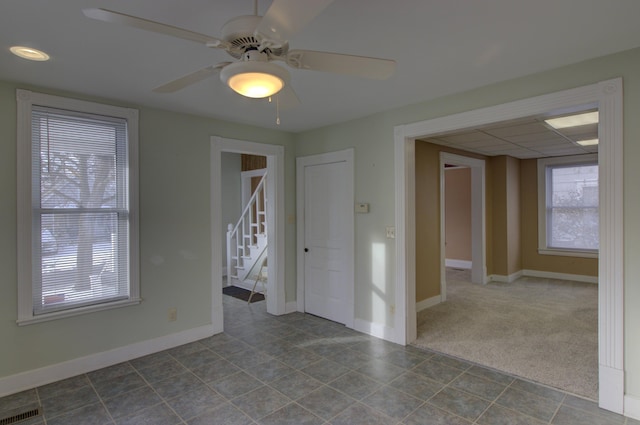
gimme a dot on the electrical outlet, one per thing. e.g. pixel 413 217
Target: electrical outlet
pixel 392 309
pixel 173 314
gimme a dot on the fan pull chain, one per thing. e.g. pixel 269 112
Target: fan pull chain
pixel 277 108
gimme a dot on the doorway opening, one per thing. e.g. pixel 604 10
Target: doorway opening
pixel 607 98
pixel 275 222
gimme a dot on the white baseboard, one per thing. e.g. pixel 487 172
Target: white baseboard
pixel 290 307
pixel 458 264
pixel 563 276
pixel 611 389
pixel 632 407
pixel 429 302
pixel 45 375
pixel 506 279
pixel 374 329
pixel 542 274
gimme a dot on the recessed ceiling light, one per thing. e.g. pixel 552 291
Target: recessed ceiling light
pixel 589 142
pixel 573 120
pixel 29 53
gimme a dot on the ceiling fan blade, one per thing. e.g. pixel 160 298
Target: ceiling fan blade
pixel 287 98
pixel 285 18
pixel 147 25
pixel 360 66
pixel 191 78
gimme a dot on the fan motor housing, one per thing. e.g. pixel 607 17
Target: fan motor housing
pixel 239 32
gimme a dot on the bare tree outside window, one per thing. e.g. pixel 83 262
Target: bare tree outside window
pixel 79 195
pixel 572 207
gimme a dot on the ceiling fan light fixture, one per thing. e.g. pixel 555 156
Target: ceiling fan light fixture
pixel 254 79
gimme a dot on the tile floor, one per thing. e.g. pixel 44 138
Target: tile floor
pixel 303 370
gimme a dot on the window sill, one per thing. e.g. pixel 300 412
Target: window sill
pixel 76 312
pixel 568 253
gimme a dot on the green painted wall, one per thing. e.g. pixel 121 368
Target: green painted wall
pixel 175 240
pixel 373 140
pixel 175 226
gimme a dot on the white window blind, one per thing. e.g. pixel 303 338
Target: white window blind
pixel 77 218
pixel 570 216
pixel 80 209
pixel 572 211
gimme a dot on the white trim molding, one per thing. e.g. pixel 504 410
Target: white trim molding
pixel 457 264
pixel 275 221
pixel 563 276
pixel 505 279
pixel 429 302
pixel 607 97
pixel 632 407
pixel 25 101
pixel 34 378
pixel 291 307
pixel 374 329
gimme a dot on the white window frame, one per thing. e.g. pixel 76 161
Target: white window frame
pixel 25 102
pixel 543 163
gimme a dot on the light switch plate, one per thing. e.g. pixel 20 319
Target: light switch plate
pixel 362 207
pixel 391 232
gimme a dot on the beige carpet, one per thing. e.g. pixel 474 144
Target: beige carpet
pixel 544 330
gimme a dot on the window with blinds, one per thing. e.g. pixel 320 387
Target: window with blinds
pixel 80 211
pixel 568 217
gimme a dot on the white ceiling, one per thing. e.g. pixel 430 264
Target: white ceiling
pixel 441 47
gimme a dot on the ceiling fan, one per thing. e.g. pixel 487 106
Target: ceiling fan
pixel 255 42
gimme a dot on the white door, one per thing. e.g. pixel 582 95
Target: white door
pixel 328 240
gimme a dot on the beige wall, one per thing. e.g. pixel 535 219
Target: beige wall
pixel 498 165
pixel 531 260
pixel 507 254
pixel 511 227
pixel 514 216
pixel 427 221
pixel 457 209
pixel 427 159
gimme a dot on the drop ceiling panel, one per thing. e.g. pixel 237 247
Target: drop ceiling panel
pixel 537 139
pixel 517 130
pixel 467 138
pixel 524 138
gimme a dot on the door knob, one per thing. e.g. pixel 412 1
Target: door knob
pixel 306 250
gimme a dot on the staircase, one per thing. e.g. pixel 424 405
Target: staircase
pixel 247 240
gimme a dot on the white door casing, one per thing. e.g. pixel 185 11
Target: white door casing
pixel 275 222
pixel 607 97
pixel 478 220
pixel 326 235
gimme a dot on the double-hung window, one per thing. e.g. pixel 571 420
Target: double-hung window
pixel 568 206
pixel 77 207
